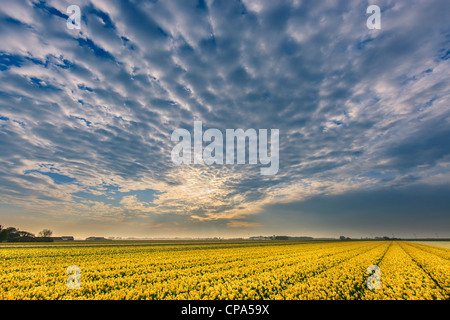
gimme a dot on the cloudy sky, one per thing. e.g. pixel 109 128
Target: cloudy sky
pixel 86 117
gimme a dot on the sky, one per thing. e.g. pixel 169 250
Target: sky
pixel 86 117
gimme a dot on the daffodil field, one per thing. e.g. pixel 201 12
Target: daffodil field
pixel 228 270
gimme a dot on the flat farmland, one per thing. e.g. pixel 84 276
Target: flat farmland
pixel 281 270
pixel 443 244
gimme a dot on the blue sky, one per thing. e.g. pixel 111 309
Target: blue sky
pixel 86 117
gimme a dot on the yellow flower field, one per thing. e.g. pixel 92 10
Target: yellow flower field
pixel 226 270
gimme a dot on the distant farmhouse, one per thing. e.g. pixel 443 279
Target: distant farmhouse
pixel 96 239
pixel 63 238
pixel 260 238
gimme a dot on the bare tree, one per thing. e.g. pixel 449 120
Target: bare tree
pixel 45 233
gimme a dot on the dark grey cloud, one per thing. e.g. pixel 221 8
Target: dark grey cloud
pixel 419 210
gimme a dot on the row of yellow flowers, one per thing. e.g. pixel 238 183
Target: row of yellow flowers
pixel 328 270
pixel 403 279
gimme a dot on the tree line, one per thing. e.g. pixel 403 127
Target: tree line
pixel 12 234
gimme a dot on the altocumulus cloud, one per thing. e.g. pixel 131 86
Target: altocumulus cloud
pixel 86 115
